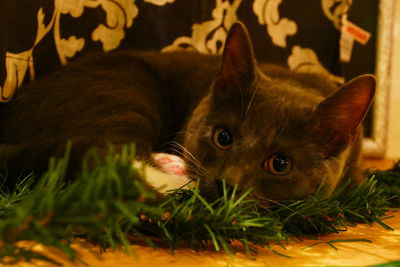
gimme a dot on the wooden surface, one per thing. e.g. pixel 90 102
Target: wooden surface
pixel 381 164
pixel 385 247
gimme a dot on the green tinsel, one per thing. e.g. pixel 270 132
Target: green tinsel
pixel 109 204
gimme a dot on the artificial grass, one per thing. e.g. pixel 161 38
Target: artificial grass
pixel 110 205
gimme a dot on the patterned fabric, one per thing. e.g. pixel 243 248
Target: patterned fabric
pixel 37 36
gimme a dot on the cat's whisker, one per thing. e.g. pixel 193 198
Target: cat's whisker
pixel 171 136
pixel 182 132
pixel 242 104
pixel 192 158
pixel 260 205
pixel 273 201
pixel 194 168
pixel 199 169
pixel 250 102
pixel 278 137
pixel 195 171
pixel 196 177
pixel 179 146
pixel 177 133
pixel 179 152
pixel 150 162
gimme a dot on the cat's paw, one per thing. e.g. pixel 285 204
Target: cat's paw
pixel 168 174
pixel 170 164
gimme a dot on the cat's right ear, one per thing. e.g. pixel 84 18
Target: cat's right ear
pixel 238 67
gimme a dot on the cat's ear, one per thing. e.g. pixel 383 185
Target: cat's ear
pixel 340 115
pixel 238 67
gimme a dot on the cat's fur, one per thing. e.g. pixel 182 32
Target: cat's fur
pixel 152 99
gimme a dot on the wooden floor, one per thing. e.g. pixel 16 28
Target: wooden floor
pixel 385 247
pixel 381 164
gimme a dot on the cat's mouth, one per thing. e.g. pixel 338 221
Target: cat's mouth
pixel 219 187
pixel 211 190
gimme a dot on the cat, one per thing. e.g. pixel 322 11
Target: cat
pixel 257 126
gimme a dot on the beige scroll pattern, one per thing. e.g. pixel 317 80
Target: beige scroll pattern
pixel 119 16
pixel 335 9
pixel 160 2
pixel 208 37
pixel 306 60
pixel 278 28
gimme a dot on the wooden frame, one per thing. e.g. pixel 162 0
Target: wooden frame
pixel 375 146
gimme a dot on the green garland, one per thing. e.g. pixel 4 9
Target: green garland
pixel 109 204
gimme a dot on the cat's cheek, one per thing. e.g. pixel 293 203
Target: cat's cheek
pixel 199 146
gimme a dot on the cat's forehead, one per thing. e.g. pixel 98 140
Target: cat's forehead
pixel 272 123
pixel 278 109
pixel 282 100
pixel 287 92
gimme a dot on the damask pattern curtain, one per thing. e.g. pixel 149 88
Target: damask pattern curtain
pixel 37 36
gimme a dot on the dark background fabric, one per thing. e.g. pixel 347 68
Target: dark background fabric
pixel 156 26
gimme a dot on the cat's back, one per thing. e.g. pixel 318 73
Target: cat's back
pixel 86 94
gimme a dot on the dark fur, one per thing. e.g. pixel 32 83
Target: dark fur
pixel 113 98
pixel 151 99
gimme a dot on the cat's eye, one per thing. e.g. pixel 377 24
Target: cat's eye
pixel 278 164
pixel 222 138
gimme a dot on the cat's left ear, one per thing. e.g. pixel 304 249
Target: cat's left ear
pixel 340 115
pixel 238 67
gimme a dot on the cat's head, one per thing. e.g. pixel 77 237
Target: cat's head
pixel 274 134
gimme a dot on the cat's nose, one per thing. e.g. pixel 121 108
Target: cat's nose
pixel 233 175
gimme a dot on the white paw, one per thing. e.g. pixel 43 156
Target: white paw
pixel 170 173
pixel 170 164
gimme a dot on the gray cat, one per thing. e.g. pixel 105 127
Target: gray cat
pixel 261 126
